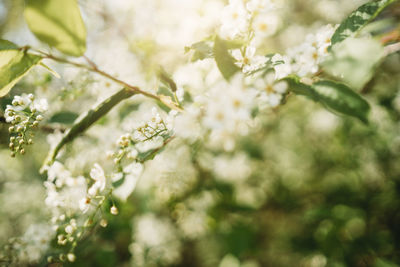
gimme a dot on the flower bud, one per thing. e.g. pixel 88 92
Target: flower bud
pixel 71 257
pixel 103 223
pixel 114 210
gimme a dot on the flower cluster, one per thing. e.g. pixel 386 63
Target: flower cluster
pixel 244 18
pixel 147 136
pixel 135 148
pixel 74 204
pixel 306 57
pixel 94 191
pixel 24 113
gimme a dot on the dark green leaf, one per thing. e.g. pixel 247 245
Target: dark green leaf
pixel 300 88
pixel 342 99
pixel 336 97
pixel 57 23
pixel 225 62
pixel 358 19
pixel 65 117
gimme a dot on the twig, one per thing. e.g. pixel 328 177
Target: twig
pixel 392 48
pixel 45 128
pixel 93 68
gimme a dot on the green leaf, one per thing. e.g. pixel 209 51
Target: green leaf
pixel 166 79
pixel 6 45
pixel 353 61
pixel 201 50
pixel 334 96
pixel 342 99
pixel 299 88
pixel 64 117
pixel 57 23
pixel 358 19
pixel 87 119
pixel 14 64
pixel 53 72
pixel 225 62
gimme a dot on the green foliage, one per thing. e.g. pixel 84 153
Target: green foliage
pixel 358 19
pixel 86 120
pixel 58 24
pixel 6 45
pixel 166 79
pixel 342 99
pixel 64 117
pixel 334 96
pixel 14 64
pixel 354 61
pixel 202 50
pixel 225 62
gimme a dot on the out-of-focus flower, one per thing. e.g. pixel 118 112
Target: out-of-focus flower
pixel 270 91
pixel 234 19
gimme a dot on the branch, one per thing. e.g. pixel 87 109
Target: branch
pixel 86 120
pixel 392 48
pixel 93 68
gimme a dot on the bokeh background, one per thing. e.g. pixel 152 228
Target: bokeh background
pixel 306 187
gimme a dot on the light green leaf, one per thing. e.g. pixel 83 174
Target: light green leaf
pixel 14 64
pixel 6 45
pixel 87 119
pixel 57 23
pixel 225 62
pixel 358 19
pixel 201 50
pixel 334 96
pixel 353 61
pixel 53 72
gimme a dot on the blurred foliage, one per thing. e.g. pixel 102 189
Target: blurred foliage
pixel 332 184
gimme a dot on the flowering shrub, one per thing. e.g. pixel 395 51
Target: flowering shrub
pixel 200 133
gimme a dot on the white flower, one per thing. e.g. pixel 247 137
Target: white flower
pixel 180 93
pixel 21 102
pixel 282 66
pixel 97 174
pixel 40 105
pixel 249 61
pixel 271 91
pixel 233 170
pixel 187 124
pixel 234 19
pixel 312 52
pixel 9 114
pixel 260 6
pixel 265 25
pixel 132 174
pixel 84 204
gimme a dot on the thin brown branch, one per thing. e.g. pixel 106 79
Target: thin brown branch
pixel 93 68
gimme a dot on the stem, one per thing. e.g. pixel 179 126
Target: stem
pixel 93 68
pixel 392 48
pixel 86 120
pixel 45 128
